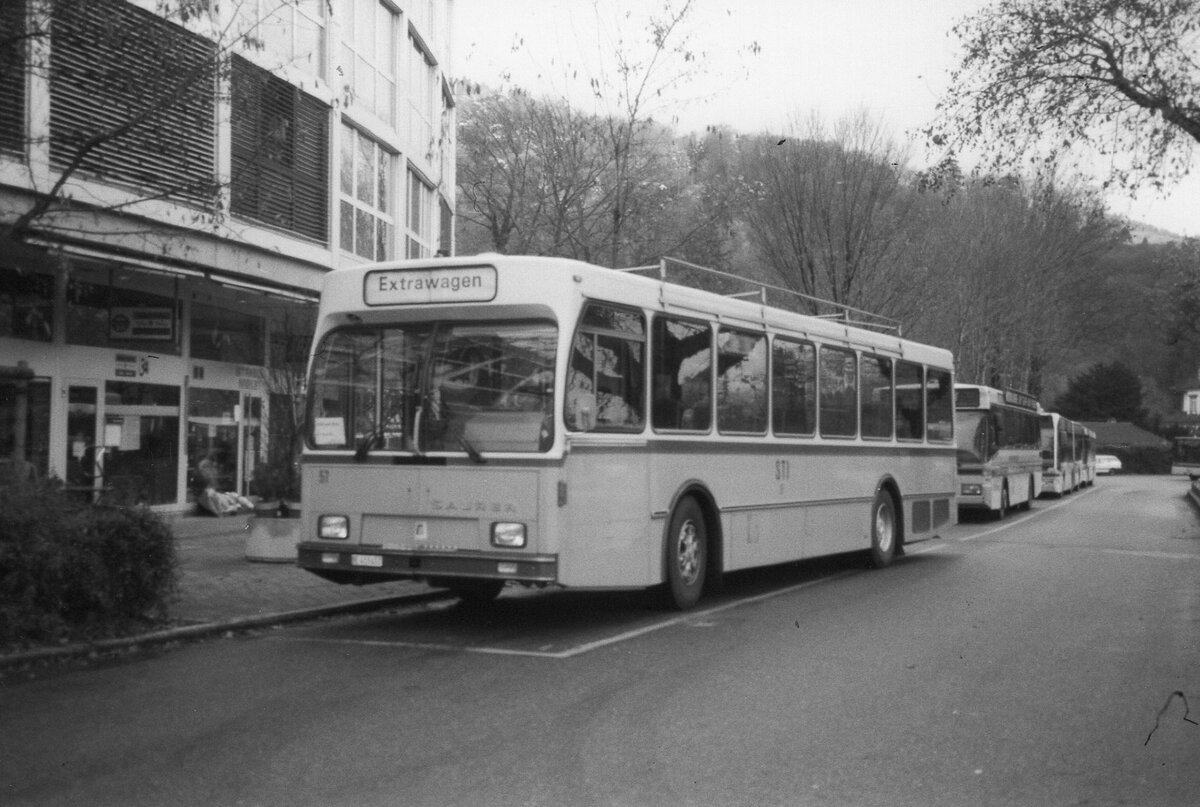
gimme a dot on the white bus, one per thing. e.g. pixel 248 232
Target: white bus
pixel 1068 455
pixel 486 420
pixel 999 449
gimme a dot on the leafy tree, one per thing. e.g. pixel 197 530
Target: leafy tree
pixel 999 265
pixel 1181 263
pixel 1104 392
pixel 1039 76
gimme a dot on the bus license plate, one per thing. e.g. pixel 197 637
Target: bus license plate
pixel 367 560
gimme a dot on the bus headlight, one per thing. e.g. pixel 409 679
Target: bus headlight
pixel 333 528
pixel 508 534
pixel 972 490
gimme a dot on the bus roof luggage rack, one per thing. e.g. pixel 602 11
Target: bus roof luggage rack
pixel 816 306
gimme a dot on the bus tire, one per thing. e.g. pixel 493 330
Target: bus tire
pixel 1028 503
pixel 474 593
pixel 999 515
pixel 885 534
pixel 686 555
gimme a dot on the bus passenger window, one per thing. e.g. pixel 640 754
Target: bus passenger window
pixel 682 368
pixel 839 392
pixel 794 387
pixel 876 409
pixel 605 387
pixel 741 381
pixel 910 402
pixel 939 403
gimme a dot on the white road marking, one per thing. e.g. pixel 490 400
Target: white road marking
pixel 690 616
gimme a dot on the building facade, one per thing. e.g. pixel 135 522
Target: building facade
pixel 175 180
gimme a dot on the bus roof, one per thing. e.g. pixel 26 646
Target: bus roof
pixel 979 396
pixel 547 286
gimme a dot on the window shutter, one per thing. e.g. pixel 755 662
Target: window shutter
pixel 132 98
pixel 12 77
pixel 280 153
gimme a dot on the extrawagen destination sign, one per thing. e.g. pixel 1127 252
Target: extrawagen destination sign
pixel 471 284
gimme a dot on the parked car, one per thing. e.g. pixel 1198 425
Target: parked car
pixel 1107 464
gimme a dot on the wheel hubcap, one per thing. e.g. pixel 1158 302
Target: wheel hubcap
pixel 688 549
pixel 884 528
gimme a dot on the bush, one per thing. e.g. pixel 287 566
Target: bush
pixel 1142 459
pixel 70 570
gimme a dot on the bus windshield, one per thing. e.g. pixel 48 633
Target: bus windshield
pixel 971 432
pixel 418 387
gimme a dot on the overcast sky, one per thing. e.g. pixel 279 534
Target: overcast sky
pixel 892 57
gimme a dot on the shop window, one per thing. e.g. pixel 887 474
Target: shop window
pixel 222 334
pixel 141 439
pixel 103 315
pixel 24 423
pixel 26 305
pixel 213 436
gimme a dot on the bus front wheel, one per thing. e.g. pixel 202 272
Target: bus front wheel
pixel 884 530
pixel 1004 504
pixel 687 555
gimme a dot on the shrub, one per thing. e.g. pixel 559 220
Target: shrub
pixel 70 570
pixel 1143 460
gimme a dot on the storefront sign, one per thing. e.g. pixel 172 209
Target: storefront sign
pixel 473 284
pixel 130 366
pixel 141 323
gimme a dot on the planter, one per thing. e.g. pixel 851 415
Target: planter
pixel 273 533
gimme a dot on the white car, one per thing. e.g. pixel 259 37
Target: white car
pixel 1107 464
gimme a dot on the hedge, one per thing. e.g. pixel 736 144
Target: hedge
pixel 69 570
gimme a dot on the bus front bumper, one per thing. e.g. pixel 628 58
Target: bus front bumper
pixel 373 564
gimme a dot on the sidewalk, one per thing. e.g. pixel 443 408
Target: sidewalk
pixel 220 590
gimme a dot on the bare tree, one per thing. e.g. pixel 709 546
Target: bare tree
pixel 1039 76
pixel 829 210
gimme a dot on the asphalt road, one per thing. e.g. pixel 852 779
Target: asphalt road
pixel 1048 659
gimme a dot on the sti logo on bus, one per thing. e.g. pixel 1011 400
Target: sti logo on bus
pixel 473 284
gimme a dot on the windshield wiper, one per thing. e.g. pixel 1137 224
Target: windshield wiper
pixel 472 451
pixel 374 437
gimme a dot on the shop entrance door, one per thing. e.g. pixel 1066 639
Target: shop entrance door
pixel 84 462
pixel 251 434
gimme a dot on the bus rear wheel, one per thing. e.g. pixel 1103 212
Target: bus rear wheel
pixel 884 530
pixel 686 555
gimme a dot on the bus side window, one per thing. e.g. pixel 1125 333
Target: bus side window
pixel 910 403
pixel 939 406
pixel 794 387
pixel 682 368
pixel 606 378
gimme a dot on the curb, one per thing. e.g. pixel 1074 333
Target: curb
pixel 209 628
